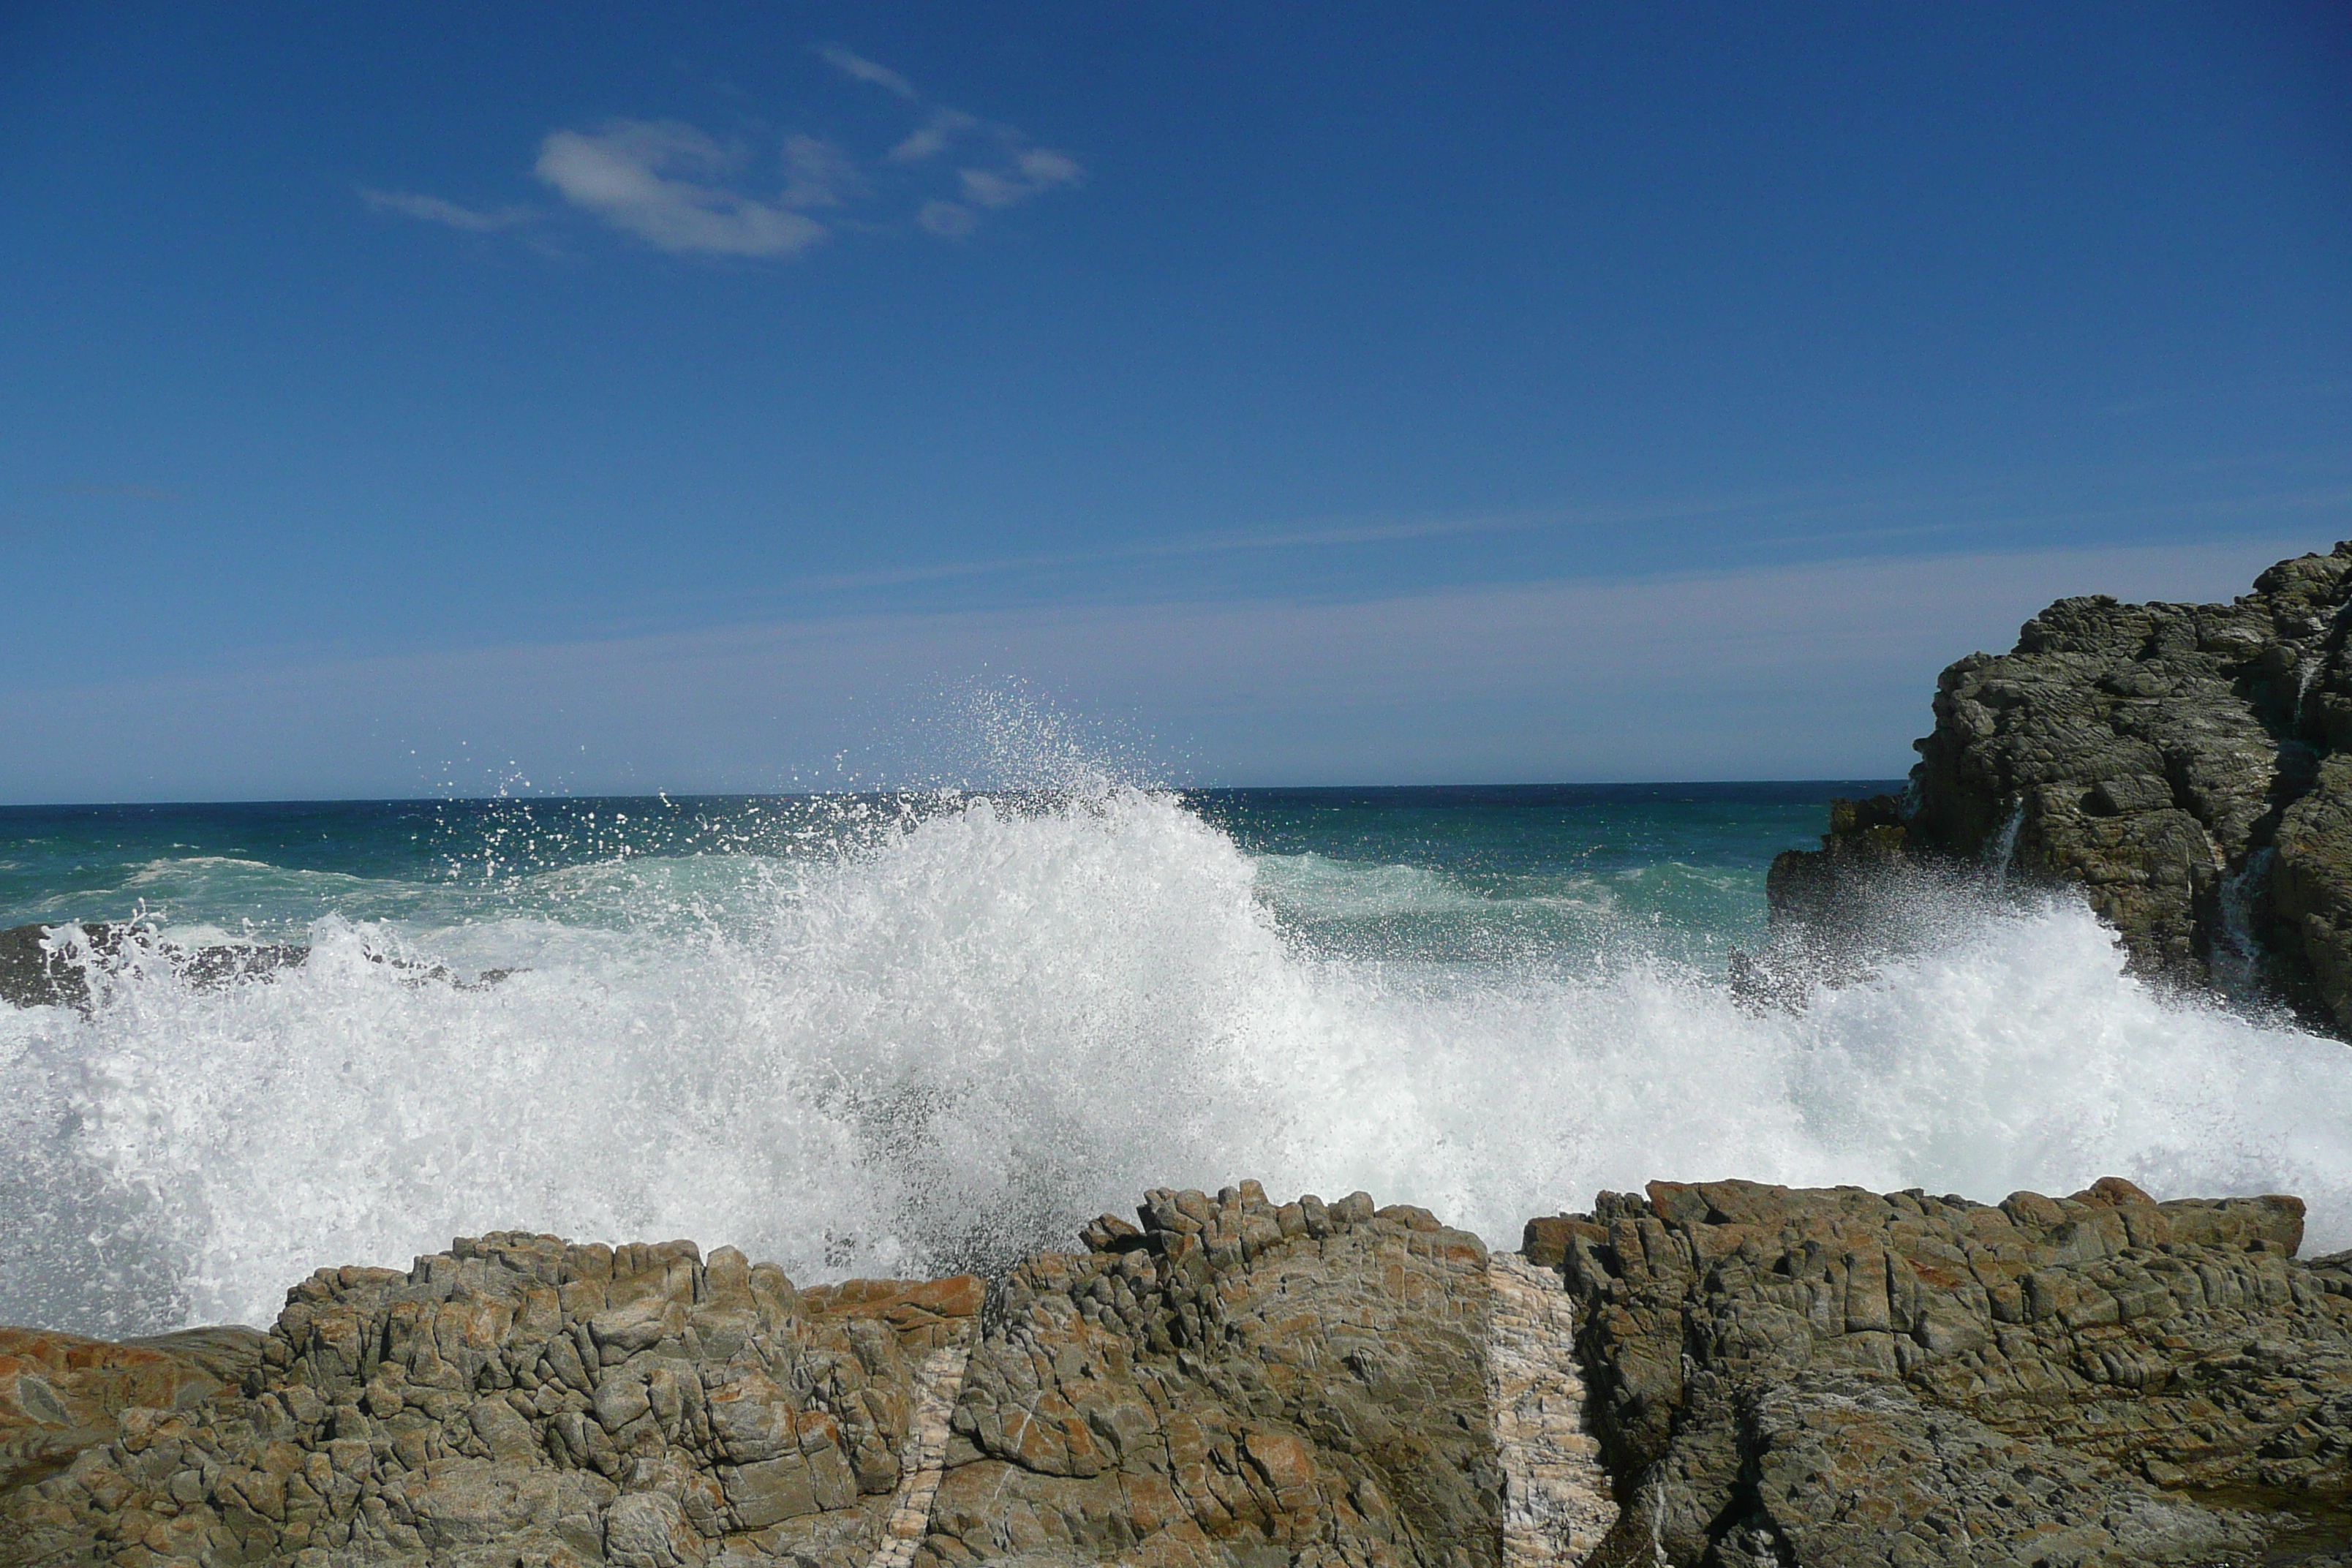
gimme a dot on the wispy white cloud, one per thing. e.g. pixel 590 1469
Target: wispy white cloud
pixel 1009 171
pixel 683 191
pixel 948 220
pixel 1032 173
pixel 659 181
pixel 820 173
pixel 932 137
pixel 858 67
pixel 433 209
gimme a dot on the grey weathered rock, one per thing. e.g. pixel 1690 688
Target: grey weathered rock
pixel 520 1400
pixel 60 1394
pixel 1805 1379
pixel 1240 1383
pixel 1230 1383
pixel 51 965
pixel 56 965
pixel 2188 766
pixel 1836 1377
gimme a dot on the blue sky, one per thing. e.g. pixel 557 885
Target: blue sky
pixel 701 397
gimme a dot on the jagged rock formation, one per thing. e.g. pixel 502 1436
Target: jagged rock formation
pixel 2188 766
pixel 1232 1382
pixel 51 965
pixel 60 1394
pixel 520 1400
pixel 1806 1379
pixel 1836 1377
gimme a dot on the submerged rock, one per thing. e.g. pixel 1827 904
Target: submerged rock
pixel 56 965
pixel 2188 766
pixel 1837 1378
pixel 51 965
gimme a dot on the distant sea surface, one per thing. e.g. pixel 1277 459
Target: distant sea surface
pixel 1461 873
pixel 898 1033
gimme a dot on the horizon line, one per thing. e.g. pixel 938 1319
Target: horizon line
pixel 683 796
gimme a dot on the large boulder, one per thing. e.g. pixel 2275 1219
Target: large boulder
pixel 1841 1379
pixel 2179 764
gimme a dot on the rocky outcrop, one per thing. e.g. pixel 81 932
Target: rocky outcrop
pixel 2188 766
pixel 70 965
pixel 60 1394
pixel 1838 1377
pixel 1829 1379
pixel 1233 1382
pixel 521 1400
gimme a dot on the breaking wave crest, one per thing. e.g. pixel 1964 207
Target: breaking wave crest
pixel 955 1040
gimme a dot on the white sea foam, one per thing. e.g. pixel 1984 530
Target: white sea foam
pixel 959 1040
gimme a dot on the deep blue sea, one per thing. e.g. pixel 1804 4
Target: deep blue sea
pixel 894 1034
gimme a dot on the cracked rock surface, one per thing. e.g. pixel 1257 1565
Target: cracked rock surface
pixel 520 1400
pixel 1232 1382
pixel 1834 1377
pixel 2188 766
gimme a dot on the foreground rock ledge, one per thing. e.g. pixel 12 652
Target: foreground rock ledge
pixel 1776 1377
pixel 1839 1377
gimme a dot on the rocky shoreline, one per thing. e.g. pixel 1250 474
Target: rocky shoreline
pixel 2187 767
pixel 1718 1373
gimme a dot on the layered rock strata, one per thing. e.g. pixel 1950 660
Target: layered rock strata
pixel 1838 1377
pixel 2188 766
pixel 519 1400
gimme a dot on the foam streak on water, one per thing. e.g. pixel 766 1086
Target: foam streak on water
pixel 957 1041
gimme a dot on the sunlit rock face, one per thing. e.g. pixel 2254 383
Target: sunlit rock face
pixel 1827 1378
pixel 2188 766
pixel 520 1398
pixel 1836 1377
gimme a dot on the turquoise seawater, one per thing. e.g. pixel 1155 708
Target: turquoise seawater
pixel 1466 875
pixel 893 1035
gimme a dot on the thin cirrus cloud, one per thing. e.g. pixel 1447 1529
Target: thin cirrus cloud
pixel 433 209
pixel 683 191
pixel 659 180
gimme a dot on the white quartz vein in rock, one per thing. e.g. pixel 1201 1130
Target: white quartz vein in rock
pixel 1556 1502
pixel 922 1460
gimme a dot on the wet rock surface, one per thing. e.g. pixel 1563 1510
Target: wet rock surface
pixel 71 965
pixel 2188 766
pixel 520 1400
pixel 1841 1377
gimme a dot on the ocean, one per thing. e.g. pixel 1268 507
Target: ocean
pixel 904 1033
